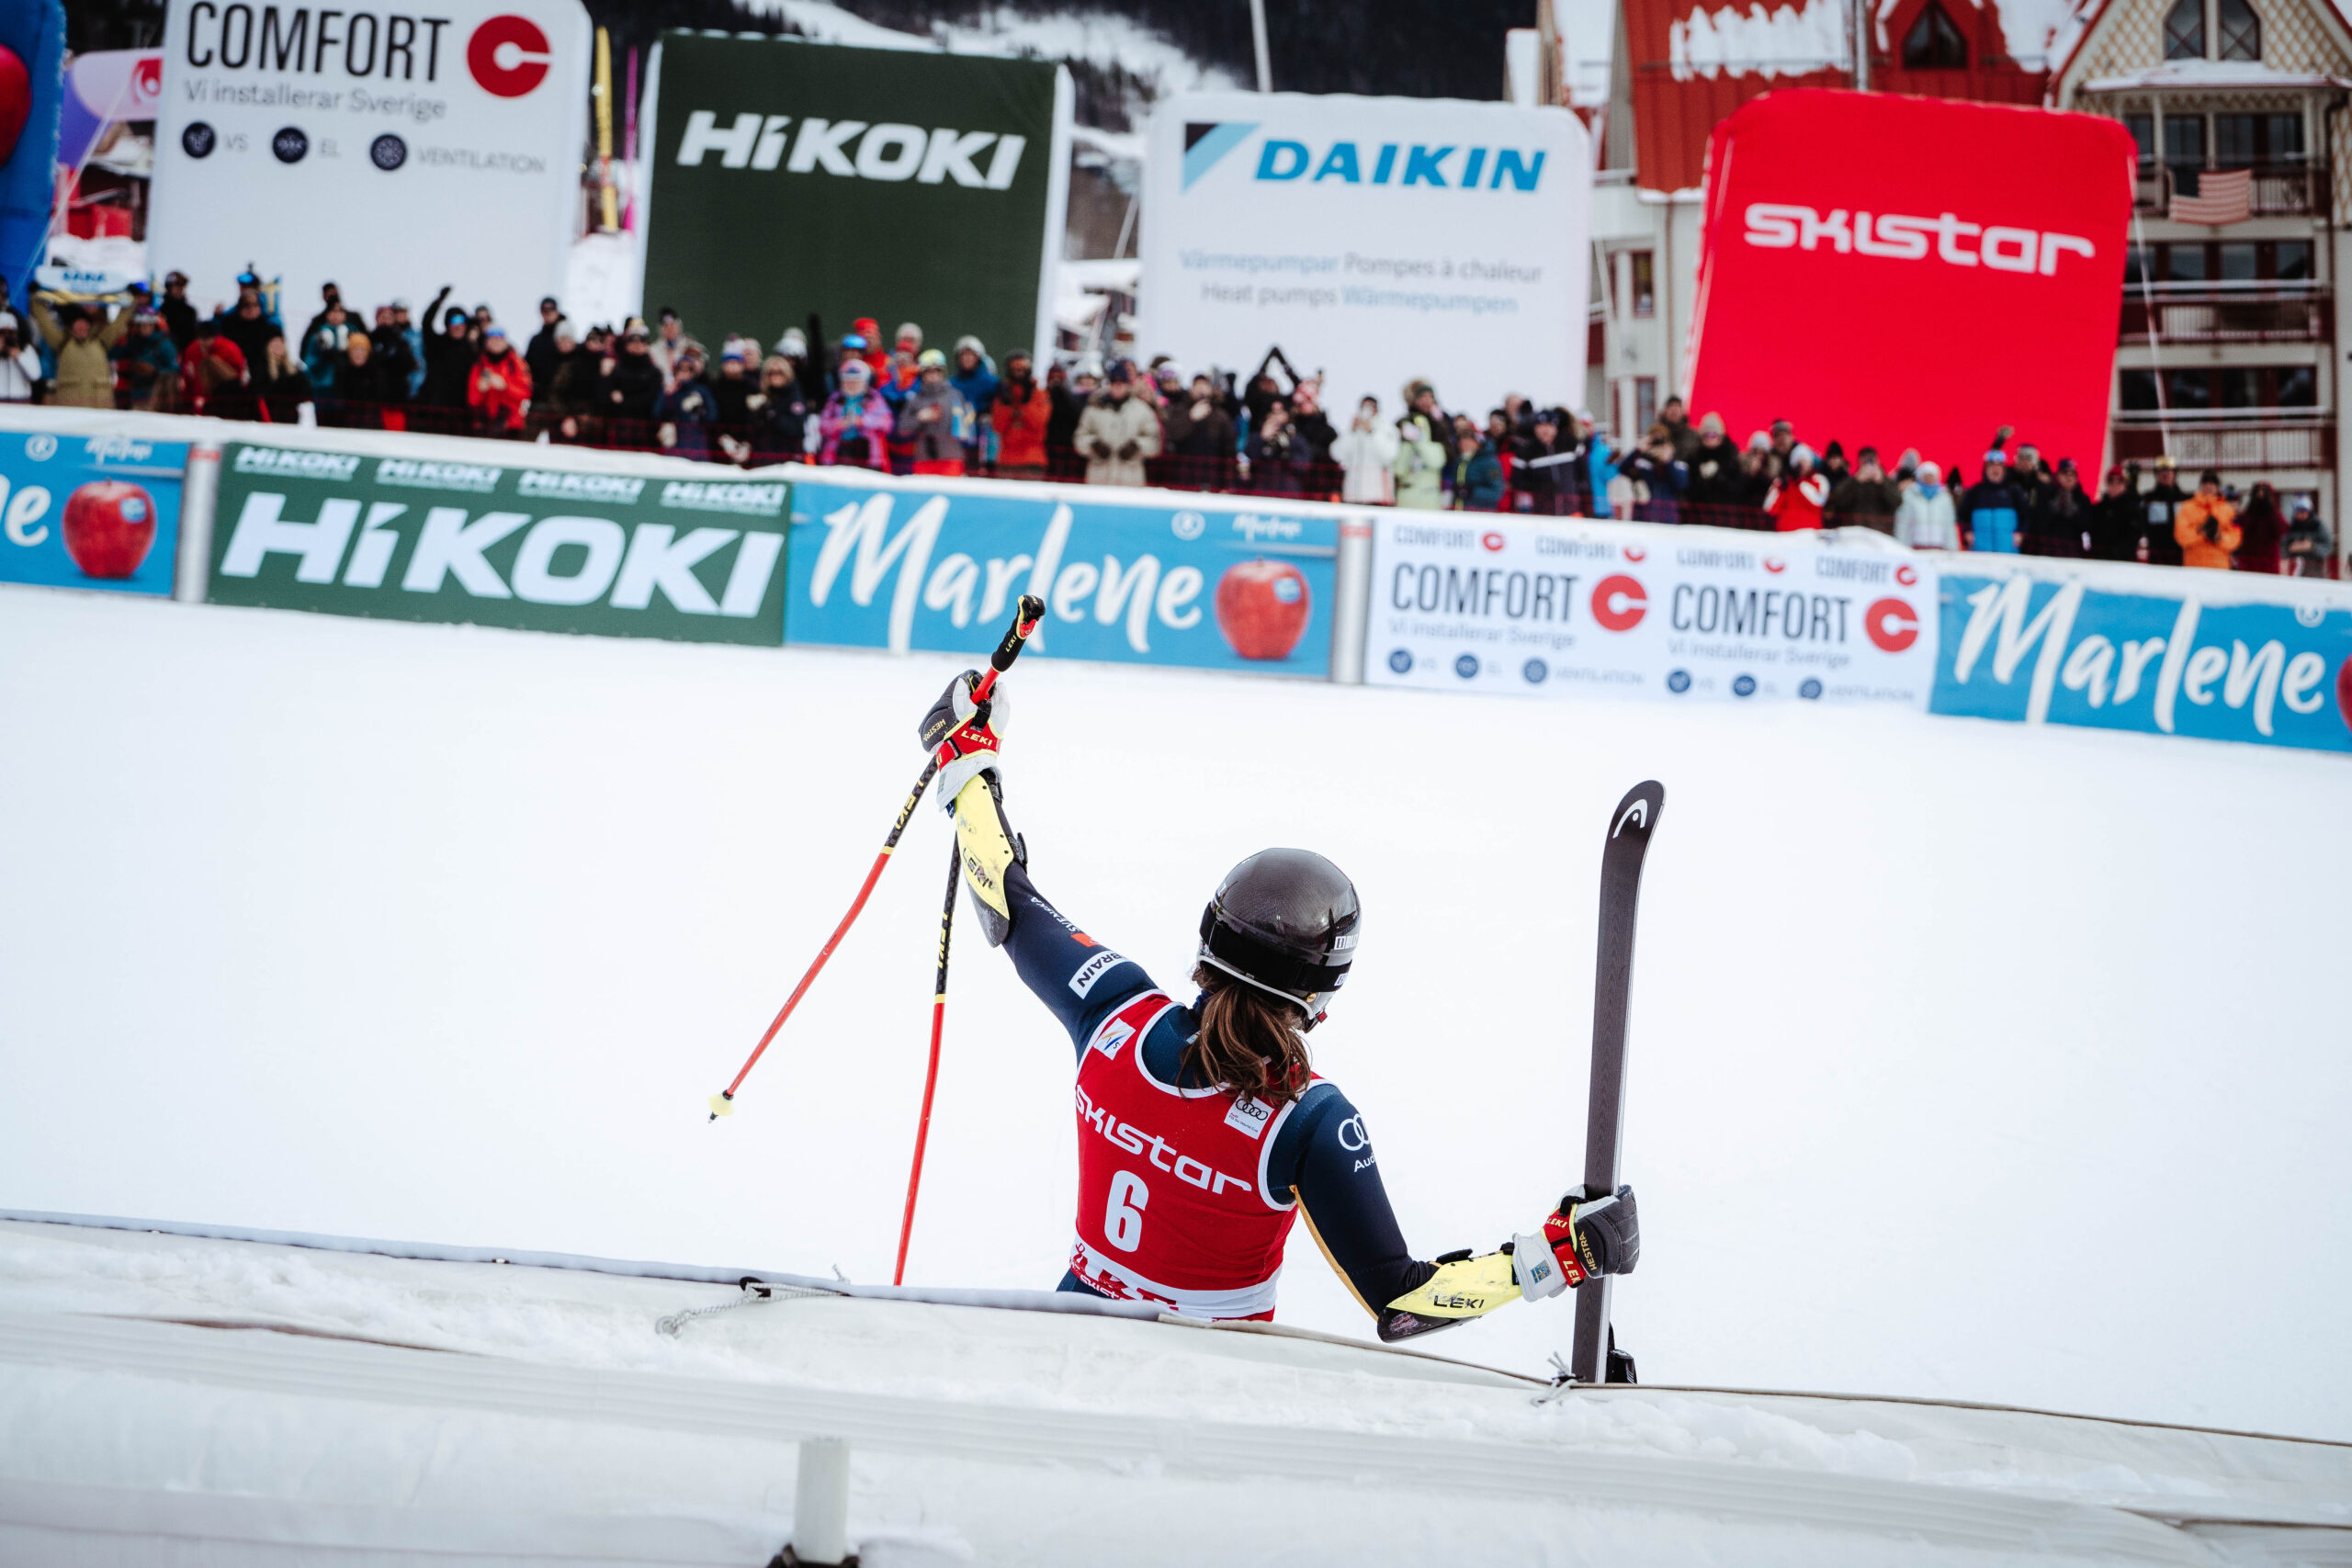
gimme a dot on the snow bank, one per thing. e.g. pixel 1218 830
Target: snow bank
pixel 1969 1061
pixel 455 1398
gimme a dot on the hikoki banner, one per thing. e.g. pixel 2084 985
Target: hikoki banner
pixel 1209 582
pixel 389 153
pixel 2222 655
pixel 1373 240
pixel 776 175
pixel 90 510
pixel 501 542
pixel 1834 220
pixel 1547 609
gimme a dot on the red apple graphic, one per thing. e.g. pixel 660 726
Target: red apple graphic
pixel 1262 608
pixel 109 527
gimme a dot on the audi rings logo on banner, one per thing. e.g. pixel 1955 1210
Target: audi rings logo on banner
pixel 508 56
pixel 1351 1134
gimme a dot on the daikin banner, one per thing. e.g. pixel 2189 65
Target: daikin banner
pixel 786 176
pixel 1376 240
pixel 389 153
pixel 1140 580
pixel 1682 614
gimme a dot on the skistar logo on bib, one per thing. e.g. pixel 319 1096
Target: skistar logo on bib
pixel 508 56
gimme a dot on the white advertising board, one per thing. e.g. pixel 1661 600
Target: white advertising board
pixel 1462 601
pixel 1375 239
pixel 387 152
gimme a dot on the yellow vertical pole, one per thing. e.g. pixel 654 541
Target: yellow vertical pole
pixel 612 212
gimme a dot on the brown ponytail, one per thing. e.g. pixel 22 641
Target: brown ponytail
pixel 1249 1040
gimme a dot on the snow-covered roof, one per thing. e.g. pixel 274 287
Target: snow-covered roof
pixel 2210 74
pixel 1787 41
pixel 1100 39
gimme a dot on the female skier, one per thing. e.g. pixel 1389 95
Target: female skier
pixel 1202 1129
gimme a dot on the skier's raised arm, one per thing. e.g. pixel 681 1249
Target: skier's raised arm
pixel 1202 1130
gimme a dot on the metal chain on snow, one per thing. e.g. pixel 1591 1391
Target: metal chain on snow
pixel 753 1289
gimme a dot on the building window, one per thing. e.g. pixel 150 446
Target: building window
pixel 1644 404
pixel 2237 261
pixel 2251 388
pixel 1644 286
pixel 2185 30
pixel 2185 151
pixel 2184 264
pixel 2241 30
pixel 2292 261
pixel 2136 391
pixel 2142 127
pixel 2247 141
pixel 1933 43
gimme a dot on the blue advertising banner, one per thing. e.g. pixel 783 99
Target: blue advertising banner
pixel 1214 586
pixel 2037 651
pixel 90 510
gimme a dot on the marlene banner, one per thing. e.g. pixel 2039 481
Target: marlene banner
pixel 1837 224
pixel 1196 580
pixel 2196 657
pixel 90 510
pixel 1374 239
pixel 387 152
pixel 1564 609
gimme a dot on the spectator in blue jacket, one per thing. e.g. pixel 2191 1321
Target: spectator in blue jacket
pixel 688 410
pixel 1474 479
pixel 1660 472
pixel 1991 509
pixel 975 379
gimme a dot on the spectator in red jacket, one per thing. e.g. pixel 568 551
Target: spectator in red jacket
pixel 213 367
pixel 1797 498
pixel 1019 414
pixel 500 388
pixel 2260 530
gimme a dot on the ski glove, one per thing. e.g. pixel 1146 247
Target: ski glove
pixel 1586 1236
pixel 964 734
pixel 1591 1234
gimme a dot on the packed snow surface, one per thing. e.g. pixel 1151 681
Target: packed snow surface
pixel 1969 1061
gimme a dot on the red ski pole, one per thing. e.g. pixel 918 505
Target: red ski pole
pixel 1025 621
pixel 931 1074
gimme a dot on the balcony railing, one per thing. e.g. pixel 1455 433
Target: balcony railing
pixel 2233 439
pixel 2227 312
pixel 2279 190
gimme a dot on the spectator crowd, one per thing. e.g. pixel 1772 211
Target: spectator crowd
pixel 903 406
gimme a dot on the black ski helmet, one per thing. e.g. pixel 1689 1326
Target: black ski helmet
pixel 1286 921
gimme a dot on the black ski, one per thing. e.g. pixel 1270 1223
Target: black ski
pixel 1613 985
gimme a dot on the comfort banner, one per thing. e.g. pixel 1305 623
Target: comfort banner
pixel 1550 609
pixel 386 152
pixel 1875 269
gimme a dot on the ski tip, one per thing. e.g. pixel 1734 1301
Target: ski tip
pixel 721 1105
pixel 1639 809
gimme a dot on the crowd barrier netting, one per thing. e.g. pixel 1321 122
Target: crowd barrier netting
pixel 548 536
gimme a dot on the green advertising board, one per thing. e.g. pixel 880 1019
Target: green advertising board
pixel 778 184
pixel 501 544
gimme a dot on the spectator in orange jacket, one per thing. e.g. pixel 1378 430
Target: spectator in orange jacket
pixel 500 386
pixel 1019 414
pixel 2206 526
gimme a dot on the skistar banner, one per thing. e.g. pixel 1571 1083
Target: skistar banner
pixel 501 544
pixel 1205 584
pixel 774 178
pixel 386 152
pixel 1373 240
pixel 90 510
pixel 2038 647
pixel 1569 609
pixel 1873 268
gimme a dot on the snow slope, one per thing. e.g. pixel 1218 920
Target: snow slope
pixel 1968 1062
